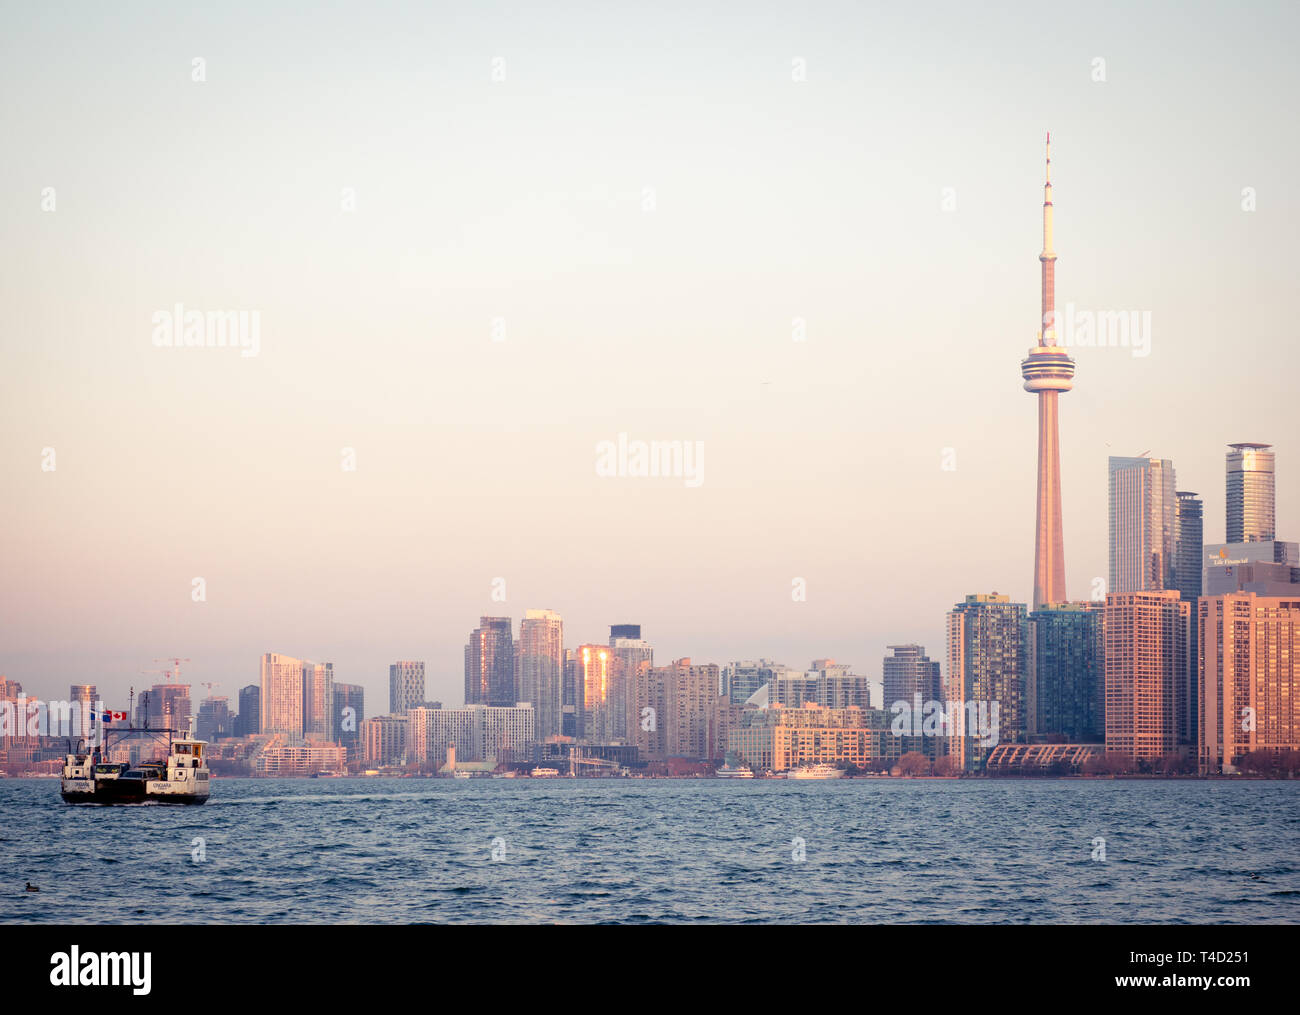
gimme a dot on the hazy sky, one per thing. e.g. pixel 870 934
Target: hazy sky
pixel 644 199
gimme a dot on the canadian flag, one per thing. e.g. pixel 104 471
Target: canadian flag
pixel 114 716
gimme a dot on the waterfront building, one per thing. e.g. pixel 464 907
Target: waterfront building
pixel 1065 693
pixel 318 703
pixel 1249 678
pixel 383 740
pixel 1146 657
pixel 539 669
pixel 987 666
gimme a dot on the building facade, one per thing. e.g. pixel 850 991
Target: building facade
pixel 1066 690
pixel 985 684
pixel 1250 678
pixel 1146 660
pixel 1251 503
pixel 539 669
pixel 490 663
pixel 405 685
pixel 1143 516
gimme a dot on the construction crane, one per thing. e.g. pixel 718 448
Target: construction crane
pixel 209 684
pixel 175 661
pixel 166 673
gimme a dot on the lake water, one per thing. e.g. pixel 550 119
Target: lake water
pixel 586 851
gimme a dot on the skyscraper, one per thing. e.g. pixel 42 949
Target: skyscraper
pixel 986 667
pixel 1143 512
pixel 1251 505
pixel 281 696
pixel 349 714
pixel 83 698
pixel 490 664
pixel 1188 572
pixel 595 665
pixel 631 654
pixel 249 721
pixel 405 685
pixel 1065 692
pixel 539 669
pixel 1146 658
pixel 1189 545
pixel 318 704
pixel 1048 370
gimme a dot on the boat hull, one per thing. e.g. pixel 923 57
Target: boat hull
pixel 126 791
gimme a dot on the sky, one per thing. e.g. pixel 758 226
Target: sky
pixel 482 239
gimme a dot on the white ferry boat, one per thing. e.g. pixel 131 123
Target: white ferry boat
pixel 737 772
pixel 822 771
pixel 546 773
pixel 181 777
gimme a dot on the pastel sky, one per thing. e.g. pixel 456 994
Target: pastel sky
pixel 644 199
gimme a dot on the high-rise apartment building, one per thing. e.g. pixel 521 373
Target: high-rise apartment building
pixel 631 655
pixel 909 675
pixel 282 698
pixel 594 674
pixel 985 684
pixel 1143 509
pixel 1251 507
pixel 167 706
pixel 383 740
pixel 1250 678
pixel 1065 692
pixel 539 669
pixel 405 685
pixel 490 663
pixel 318 703
pixel 1146 663
pixel 740 680
pixel 692 695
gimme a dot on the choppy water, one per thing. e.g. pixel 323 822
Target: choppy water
pixel 582 851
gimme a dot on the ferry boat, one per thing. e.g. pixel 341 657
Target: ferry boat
pixel 821 771
pixel 738 772
pixel 546 773
pixel 180 777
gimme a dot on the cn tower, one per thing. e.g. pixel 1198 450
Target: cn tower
pixel 1048 371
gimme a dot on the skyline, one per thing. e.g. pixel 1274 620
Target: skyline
pixel 823 455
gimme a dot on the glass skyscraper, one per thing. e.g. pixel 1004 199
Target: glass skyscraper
pixel 490 664
pixel 1143 510
pixel 1251 499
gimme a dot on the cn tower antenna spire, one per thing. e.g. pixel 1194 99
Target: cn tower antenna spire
pixel 1048 371
pixel 1048 258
